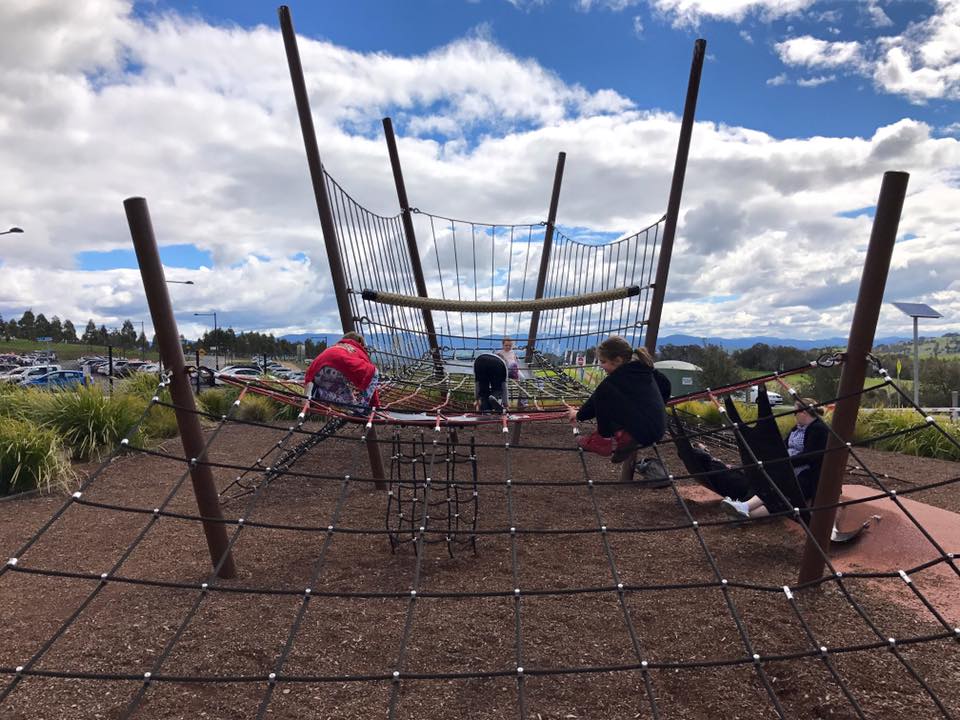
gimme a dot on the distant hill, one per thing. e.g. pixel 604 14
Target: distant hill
pixel 902 344
pixel 731 344
pixel 946 346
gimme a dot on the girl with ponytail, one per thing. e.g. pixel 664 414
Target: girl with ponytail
pixel 628 404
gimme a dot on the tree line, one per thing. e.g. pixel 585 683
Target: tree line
pixel 225 340
pixel 938 377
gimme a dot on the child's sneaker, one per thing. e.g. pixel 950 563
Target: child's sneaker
pixel 735 508
pixel 596 443
pixel 625 445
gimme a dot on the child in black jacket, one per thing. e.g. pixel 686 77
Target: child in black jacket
pixel 628 404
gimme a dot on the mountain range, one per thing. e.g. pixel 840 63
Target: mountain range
pixel 728 344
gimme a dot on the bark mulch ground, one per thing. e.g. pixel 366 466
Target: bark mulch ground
pixel 569 615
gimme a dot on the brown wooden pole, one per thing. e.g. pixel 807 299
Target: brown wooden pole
pixel 323 206
pixel 862 330
pixel 316 169
pixel 188 422
pixel 411 236
pixel 545 255
pixel 673 203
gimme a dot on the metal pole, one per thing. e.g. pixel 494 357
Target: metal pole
pixel 110 367
pixel 316 168
pixel 411 237
pixel 168 341
pixel 953 405
pixel 916 361
pixel 323 206
pixel 216 339
pixel 862 330
pixel 197 351
pixel 545 256
pixel 673 203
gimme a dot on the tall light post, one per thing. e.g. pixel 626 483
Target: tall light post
pixel 916 311
pixel 216 348
pixel 180 282
pixel 12 230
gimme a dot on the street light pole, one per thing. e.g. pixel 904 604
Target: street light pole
pixel 180 282
pixel 216 351
pixel 12 230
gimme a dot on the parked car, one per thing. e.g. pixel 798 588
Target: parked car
pixel 59 379
pixel 240 373
pixel 19 374
pixel 775 397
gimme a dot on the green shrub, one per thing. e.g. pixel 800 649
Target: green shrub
pixel 143 386
pixel 256 408
pixel 89 422
pixel 928 442
pixel 160 422
pixel 21 403
pixel 217 402
pixel 31 457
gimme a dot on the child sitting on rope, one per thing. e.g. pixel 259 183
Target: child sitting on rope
pixel 490 383
pixel 806 442
pixel 344 375
pixel 628 404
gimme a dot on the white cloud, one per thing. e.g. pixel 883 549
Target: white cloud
pixel 777 80
pixel 614 5
pixel 691 12
pixel 204 126
pixel 875 14
pixel 638 26
pixel 924 62
pixel 808 51
pixel 746 36
pixel 816 81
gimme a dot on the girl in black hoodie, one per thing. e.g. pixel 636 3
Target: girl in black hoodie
pixel 628 404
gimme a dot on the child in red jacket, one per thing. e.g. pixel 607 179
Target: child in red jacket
pixel 344 375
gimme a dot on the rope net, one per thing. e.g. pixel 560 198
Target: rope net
pixel 465 261
pixel 487 579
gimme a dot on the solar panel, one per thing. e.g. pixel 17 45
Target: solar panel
pixel 917 310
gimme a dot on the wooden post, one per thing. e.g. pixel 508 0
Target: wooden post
pixel 862 330
pixel 188 422
pixel 323 207
pixel 673 203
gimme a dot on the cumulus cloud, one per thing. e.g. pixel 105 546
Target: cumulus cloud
pixel 200 120
pixel 811 52
pixel 690 13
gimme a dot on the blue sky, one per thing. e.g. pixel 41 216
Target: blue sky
pixel 602 48
pixel 803 106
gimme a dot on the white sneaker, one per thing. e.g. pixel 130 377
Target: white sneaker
pixel 735 508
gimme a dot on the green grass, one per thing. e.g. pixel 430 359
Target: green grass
pixel 89 422
pixel 31 457
pixel 69 351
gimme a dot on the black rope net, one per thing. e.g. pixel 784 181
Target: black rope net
pixel 485 580
pixel 473 261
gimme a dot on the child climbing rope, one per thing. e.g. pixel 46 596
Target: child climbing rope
pixel 628 403
pixel 344 375
pixel 490 382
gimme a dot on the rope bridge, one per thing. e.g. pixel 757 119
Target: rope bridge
pixel 481 281
pixel 497 519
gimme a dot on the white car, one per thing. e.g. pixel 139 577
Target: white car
pixel 30 371
pixel 775 397
pixel 239 373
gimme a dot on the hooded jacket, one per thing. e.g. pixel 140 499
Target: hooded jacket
pixel 351 360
